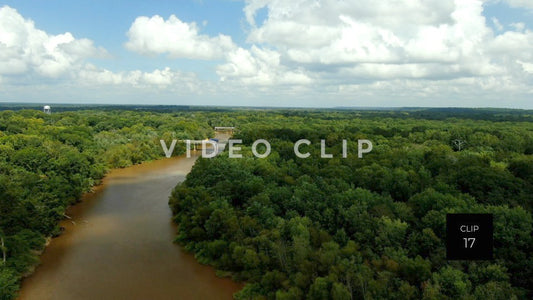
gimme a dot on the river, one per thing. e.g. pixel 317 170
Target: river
pixel 118 244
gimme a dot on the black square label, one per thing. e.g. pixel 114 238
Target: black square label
pixel 469 236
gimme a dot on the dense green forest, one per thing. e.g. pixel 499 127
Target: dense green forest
pixel 48 161
pixel 291 228
pixel 370 228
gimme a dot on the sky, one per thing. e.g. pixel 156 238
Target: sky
pixel 299 53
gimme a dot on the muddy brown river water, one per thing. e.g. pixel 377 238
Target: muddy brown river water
pixel 118 244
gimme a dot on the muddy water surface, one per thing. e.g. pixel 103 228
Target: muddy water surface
pixel 118 244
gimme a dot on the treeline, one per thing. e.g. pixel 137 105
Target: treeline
pixel 48 161
pixel 371 228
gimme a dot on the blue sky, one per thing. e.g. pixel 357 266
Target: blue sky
pixel 276 53
pixel 106 23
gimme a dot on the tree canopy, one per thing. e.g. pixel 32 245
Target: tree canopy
pixel 370 228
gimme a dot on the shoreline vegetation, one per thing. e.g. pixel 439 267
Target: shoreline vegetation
pixel 294 228
pixel 48 162
pixel 59 231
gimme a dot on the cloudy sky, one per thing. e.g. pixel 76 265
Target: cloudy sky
pixel 474 53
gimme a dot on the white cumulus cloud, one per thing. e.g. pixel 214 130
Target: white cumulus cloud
pixel 259 67
pixel 28 55
pixel 325 53
pixel 178 39
pixel 160 78
pixel 24 48
pixel 347 41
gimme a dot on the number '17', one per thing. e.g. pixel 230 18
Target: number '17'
pixel 469 242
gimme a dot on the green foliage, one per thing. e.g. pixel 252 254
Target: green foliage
pixel 371 228
pixel 339 228
pixel 8 284
pixel 48 161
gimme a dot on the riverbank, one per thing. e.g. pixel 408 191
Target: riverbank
pixel 119 238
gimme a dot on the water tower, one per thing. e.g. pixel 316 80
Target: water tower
pixel 47 109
